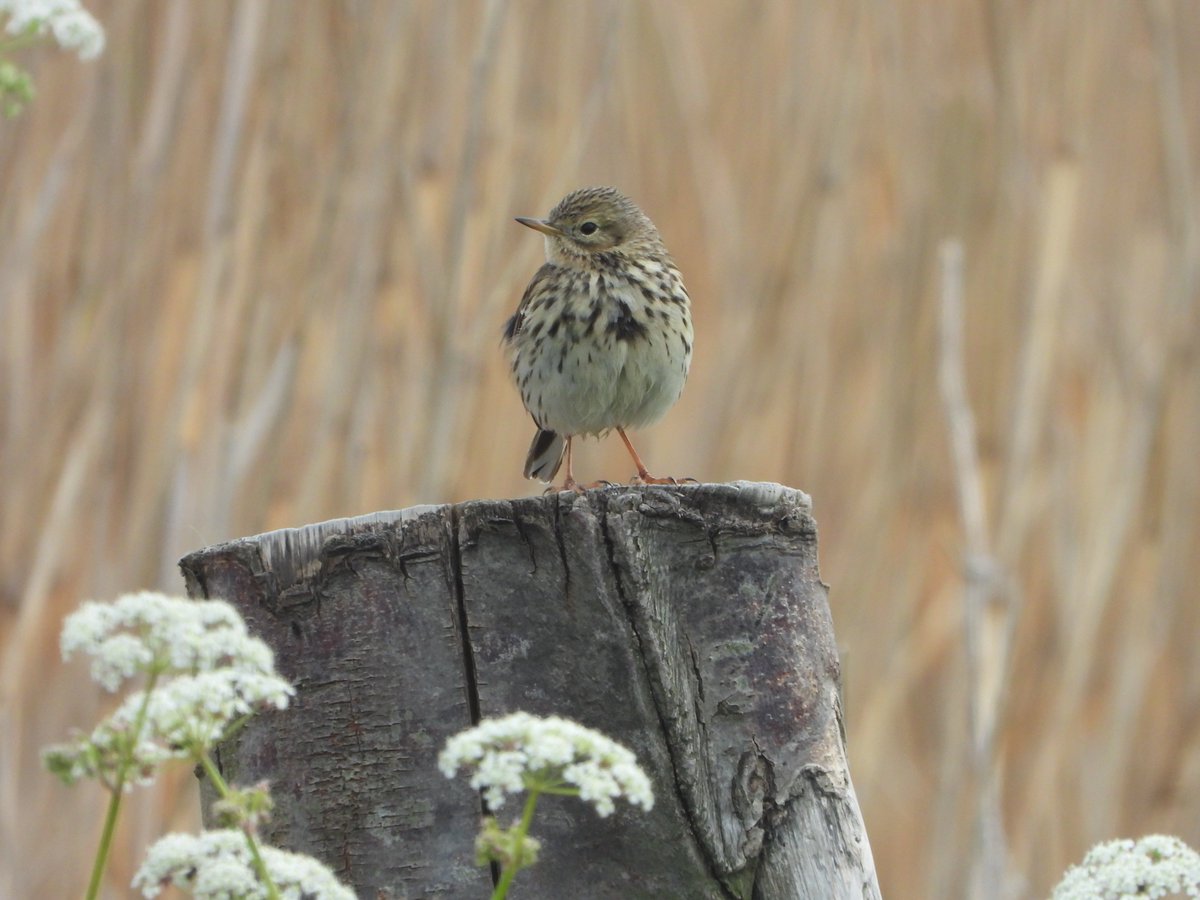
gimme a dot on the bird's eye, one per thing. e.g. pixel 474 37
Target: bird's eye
pixel 589 228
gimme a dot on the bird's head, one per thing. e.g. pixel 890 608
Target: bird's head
pixel 591 221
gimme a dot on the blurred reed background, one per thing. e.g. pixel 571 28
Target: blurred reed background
pixel 254 262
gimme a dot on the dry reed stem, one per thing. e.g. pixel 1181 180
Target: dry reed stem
pixel 990 607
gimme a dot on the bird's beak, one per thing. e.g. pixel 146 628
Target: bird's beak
pixel 540 225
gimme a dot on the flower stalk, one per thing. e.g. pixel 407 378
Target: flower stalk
pixel 509 872
pixel 222 787
pixel 116 791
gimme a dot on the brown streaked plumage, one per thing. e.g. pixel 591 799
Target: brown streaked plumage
pixel 602 338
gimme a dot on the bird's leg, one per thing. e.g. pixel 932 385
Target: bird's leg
pixel 570 484
pixel 643 476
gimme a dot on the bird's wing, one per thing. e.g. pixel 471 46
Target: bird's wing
pixel 513 326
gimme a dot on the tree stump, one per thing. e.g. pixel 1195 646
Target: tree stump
pixel 687 622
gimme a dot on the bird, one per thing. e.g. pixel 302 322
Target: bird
pixel 602 337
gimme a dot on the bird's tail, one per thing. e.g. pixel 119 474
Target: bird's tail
pixel 545 455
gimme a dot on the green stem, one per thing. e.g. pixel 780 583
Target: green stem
pixel 559 791
pixel 20 42
pixel 223 790
pixel 118 790
pixel 213 773
pixel 510 871
pixel 106 836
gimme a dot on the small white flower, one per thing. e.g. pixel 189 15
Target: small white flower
pixel 209 674
pixel 74 28
pixel 217 864
pixel 191 711
pixel 77 30
pixel 168 855
pixel 152 632
pixel 106 752
pixel 518 751
pixel 1155 866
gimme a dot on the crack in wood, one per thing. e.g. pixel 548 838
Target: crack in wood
pixel 562 551
pixel 523 534
pixel 470 674
pixel 470 678
pixel 690 813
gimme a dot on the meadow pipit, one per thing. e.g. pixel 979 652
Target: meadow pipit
pixel 602 338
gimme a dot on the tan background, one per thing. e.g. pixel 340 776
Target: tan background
pixel 254 262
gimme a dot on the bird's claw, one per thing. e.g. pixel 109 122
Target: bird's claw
pixel 647 478
pixel 573 485
pixel 569 485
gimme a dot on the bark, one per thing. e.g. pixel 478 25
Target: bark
pixel 688 622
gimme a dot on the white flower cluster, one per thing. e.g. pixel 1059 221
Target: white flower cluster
pixel 151 632
pixel 522 750
pixel 193 711
pixel 215 865
pixel 209 674
pixel 73 26
pixel 1155 866
pixel 104 754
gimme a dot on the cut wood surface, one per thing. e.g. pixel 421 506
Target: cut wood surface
pixel 688 622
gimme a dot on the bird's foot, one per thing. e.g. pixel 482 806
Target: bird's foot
pixel 647 478
pixel 570 484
